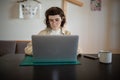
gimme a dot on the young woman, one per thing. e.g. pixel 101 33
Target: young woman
pixel 55 20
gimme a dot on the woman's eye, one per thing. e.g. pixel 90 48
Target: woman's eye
pixel 50 20
pixel 57 20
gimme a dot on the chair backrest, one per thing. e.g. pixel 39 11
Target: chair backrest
pixel 20 46
pixel 7 47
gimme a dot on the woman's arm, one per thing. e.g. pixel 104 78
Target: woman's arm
pixel 28 49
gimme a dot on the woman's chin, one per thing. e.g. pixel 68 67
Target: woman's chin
pixel 55 28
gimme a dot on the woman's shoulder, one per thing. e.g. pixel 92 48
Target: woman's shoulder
pixel 44 31
pixel 66 32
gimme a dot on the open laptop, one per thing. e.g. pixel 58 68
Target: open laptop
pixel 54 48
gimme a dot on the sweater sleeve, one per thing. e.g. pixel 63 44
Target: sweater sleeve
pixel 28 49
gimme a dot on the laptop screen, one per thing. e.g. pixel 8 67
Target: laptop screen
pixel 55 48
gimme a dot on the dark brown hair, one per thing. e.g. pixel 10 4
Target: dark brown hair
pixel 55 11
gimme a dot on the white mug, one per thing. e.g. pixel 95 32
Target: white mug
pixel 105 56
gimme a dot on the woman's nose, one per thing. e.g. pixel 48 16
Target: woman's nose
pixel 54 21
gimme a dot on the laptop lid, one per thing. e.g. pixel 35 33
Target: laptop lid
pixel 52 48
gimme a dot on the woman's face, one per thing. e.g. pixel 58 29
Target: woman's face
pixel 55 21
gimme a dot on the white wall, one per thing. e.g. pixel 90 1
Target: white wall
pixel 12 28
pixel 96 29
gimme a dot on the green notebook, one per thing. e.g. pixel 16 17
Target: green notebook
pixel 28 61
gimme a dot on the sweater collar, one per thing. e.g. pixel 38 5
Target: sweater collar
pixel 62 30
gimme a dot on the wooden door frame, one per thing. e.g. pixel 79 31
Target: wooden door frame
pixel 75 2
